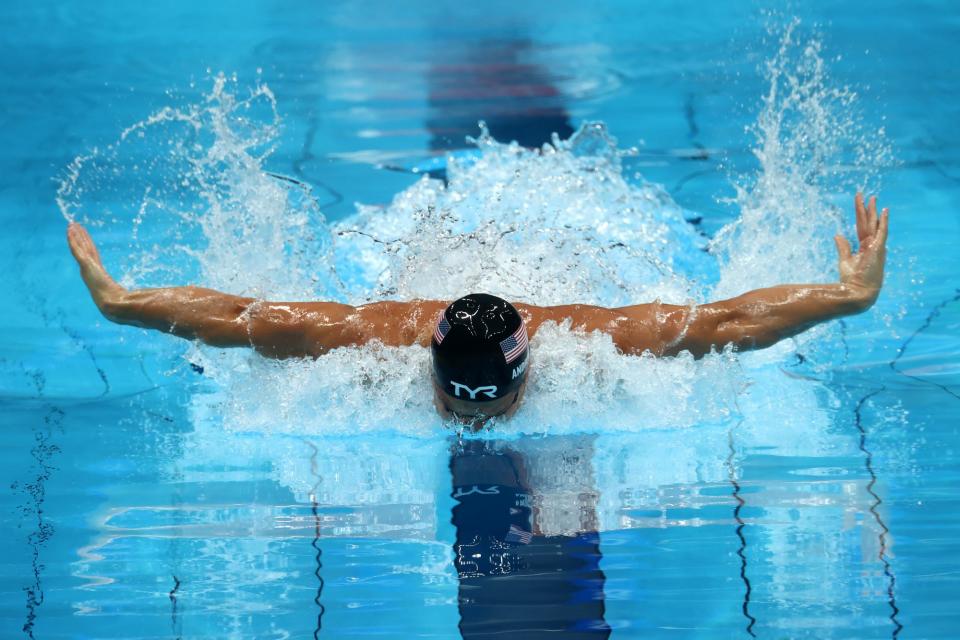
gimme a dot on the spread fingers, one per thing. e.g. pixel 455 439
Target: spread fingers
pixel 872 217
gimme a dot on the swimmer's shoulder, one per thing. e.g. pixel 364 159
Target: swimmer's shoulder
pixel 634 329
pixel 400 323
pixel 582 317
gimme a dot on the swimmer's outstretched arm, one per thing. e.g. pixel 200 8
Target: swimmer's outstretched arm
pixel 763 317
pixel 275 329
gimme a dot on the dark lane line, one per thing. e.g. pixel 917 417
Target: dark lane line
pixel 174 618
pixel 742 550
pixel 868 456
pixel 315 542
pixel 874 510
pixel 42 452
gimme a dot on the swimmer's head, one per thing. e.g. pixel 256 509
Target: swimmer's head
pixel 480 357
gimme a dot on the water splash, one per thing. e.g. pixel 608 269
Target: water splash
pixel 185 189
pixel 549 226
pixel 187 192
pixel 813 153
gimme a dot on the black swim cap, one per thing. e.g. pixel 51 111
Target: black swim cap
pixel 479 348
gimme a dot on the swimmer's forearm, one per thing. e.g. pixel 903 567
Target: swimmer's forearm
pixel 194 313
pixel 763 317
pixel 274 329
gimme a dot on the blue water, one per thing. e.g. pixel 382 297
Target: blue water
pixel 163 491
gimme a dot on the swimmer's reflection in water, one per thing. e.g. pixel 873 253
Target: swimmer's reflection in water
pixel 527 549
pixel 499 83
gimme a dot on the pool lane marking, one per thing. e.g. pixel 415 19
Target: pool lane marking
pixel 874 509
pixel 315 543
pixel 42 452
pixel 173 606
pixel 748 589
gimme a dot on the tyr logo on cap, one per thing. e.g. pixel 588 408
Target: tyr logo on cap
pixel 490 391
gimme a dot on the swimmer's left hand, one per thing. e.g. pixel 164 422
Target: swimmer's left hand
pixel 862 271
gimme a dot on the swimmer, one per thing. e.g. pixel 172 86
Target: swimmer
pixel 479 343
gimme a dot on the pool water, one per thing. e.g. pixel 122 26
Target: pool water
pixel 162 489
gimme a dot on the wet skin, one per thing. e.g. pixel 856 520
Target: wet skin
pixel 753 320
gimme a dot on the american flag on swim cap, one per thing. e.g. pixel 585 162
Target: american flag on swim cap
pixel 443 328
pixel 514 346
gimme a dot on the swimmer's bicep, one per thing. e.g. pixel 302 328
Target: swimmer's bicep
pixel 311 329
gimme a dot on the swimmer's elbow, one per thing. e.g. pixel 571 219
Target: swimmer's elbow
pixel 703 330
pixel 693 329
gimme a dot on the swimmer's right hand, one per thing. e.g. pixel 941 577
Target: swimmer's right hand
pixel 862 271
pixel 103 288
